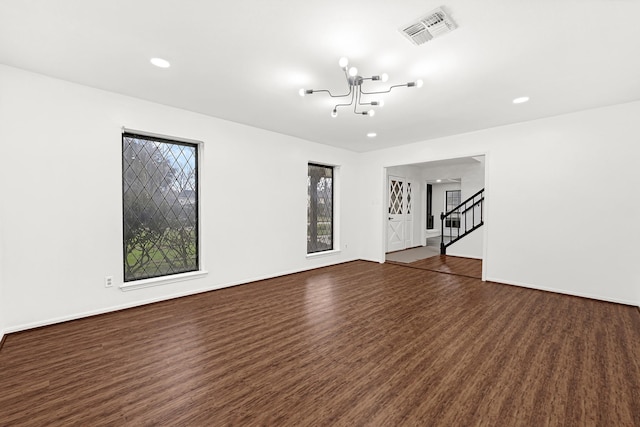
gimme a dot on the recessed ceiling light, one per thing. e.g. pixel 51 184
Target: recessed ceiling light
pixel 372 134
pixel 159 62
pixel 521 100
pixel 438 180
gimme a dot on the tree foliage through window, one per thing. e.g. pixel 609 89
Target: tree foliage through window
pixel 319 208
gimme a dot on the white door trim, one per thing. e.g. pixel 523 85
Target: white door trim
pixel 396 213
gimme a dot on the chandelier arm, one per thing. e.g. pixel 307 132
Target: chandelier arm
pixel 346 74
pixel 344 105
pixel 341 105
pixel 383 91
pixel 360 97
pixel 332 95
pixel 355 104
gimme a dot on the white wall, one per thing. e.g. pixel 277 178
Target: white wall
pixel 438 198
pixel 539 172
pixel 2 301
pixel 61 192
pixel 471 246
pixel 470 174
pixel 472 180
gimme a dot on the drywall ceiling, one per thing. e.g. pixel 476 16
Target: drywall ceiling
pixel 461 161
pixel 246 60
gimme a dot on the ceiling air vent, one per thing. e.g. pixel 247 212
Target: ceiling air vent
pixel 435 24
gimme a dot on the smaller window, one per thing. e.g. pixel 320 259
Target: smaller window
pixel 453 199
pixel 319 208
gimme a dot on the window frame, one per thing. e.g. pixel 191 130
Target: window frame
pixel 333 247
pixel 199 271
pixel 454 220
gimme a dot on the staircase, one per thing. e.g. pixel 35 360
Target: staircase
pixel 464 218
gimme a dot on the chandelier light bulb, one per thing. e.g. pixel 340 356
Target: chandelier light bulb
pixel 301 92
pixel 334 113
pixel 371 113
pixel 343 62
pixel 384 77
pixel 419 83
pixel 381 103
pixel 353 71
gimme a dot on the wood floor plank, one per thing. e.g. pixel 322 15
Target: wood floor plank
pixel 354 344
pixel 448 264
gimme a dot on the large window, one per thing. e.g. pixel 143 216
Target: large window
pixel 319 208
pixel 160 206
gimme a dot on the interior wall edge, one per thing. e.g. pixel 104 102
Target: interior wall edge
pixel 563 291
pixel 139 303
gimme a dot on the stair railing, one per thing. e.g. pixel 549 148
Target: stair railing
pixel 460 215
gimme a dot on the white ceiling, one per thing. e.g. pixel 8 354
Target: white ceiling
pixel 246 60
pixel 446 163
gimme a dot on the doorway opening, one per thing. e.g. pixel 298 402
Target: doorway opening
pixel 416 196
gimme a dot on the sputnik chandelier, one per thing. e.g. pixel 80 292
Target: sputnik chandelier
pixel 355 90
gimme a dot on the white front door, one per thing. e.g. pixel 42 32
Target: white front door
pixel 396 239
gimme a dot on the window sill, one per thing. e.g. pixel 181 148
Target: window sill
pixel 157 281
pixel 325 253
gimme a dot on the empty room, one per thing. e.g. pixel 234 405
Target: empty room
pixel 335 213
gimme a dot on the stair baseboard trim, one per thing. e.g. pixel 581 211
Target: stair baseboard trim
pixel 462 255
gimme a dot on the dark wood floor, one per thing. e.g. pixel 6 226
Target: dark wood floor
pixel 448 264
pixel 354 344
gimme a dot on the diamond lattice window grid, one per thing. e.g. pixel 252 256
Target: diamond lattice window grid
pixel 319 208
pixel 160 207
pixel 396 198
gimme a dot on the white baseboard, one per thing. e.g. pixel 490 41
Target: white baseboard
pixel 562 291
pixel 47 322
pixel 463 255
pixel 26 326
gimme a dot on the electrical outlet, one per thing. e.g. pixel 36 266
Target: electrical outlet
pixel 108 281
